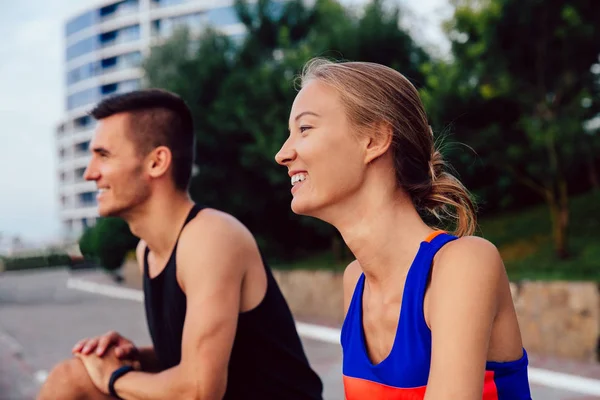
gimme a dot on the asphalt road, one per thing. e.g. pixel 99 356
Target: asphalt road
pixel 41 319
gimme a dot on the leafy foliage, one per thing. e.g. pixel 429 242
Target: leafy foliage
pixel 520 85
pixel 107 242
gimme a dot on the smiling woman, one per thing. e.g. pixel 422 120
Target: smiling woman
pixel 429 314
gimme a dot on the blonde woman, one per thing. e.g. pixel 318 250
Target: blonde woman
pixel 429 313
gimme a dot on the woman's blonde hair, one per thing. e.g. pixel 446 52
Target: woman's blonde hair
pixel 373 93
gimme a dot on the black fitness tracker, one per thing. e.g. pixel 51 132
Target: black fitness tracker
pixel 119 372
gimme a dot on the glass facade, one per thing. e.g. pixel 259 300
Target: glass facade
pixel 94 95
pixel 81 22
pixel 79 172
pixel 167 3
pixel 106 39
pixel 84 122
pixel 97 68
pixel 82 47
pixel 82 147
pixel 165 27
pixel 121 8
pixel 87 198
pixel 93 17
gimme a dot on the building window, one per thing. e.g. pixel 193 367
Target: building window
pixel 81 22
pixel 97 68
pixel 82 98
pixel 121 8
pixel 165 27
pixel 130 60
pixel 82 147
pixel 109 89
pixel 87 198
pixel 79 172
pixel 120 87
pixel 167 3
pixel 118 36
pixel 84 122
pixel 82 47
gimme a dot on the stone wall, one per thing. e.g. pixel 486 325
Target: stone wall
pixel 556 318
pixel 559 318
pixel 315 295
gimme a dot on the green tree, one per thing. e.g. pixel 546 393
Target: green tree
pixel 108 242
pixel 520 90
pixel 241 94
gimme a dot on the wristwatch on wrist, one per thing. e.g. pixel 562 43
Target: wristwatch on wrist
pixel 119 372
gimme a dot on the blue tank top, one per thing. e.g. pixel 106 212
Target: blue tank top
pixel 403 374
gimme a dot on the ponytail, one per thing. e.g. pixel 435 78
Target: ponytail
pixel 448 199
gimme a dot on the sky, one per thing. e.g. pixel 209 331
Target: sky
pixel 32 102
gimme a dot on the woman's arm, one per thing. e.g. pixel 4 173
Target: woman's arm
pixel 462 306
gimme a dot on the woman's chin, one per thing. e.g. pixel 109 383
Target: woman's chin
pixel 300 207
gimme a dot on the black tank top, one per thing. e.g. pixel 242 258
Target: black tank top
pixel 267 359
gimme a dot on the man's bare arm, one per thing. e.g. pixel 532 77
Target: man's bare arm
pixel 210 258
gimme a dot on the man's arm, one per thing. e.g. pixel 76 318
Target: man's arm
pixel 210 256
pixel 463 304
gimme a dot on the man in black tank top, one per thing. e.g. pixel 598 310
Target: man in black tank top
pixel 220 326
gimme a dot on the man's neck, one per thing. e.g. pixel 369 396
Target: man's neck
pixel 159 222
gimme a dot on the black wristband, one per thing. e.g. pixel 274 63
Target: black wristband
pixel 119 372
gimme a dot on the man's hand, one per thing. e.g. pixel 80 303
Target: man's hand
pixel 124 348
pixel 100 368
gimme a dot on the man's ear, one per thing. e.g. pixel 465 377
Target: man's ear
pixel 377 141
pixel 159 161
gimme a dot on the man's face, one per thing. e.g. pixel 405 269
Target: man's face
pixel 117 167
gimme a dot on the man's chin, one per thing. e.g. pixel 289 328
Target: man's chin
pixel 107 212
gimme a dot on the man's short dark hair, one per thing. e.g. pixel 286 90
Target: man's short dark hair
pixel 158 118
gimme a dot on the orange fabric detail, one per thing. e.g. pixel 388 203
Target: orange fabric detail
pixel 432 235
pixel 361 389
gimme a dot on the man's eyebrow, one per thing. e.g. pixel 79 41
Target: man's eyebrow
pixel 100 150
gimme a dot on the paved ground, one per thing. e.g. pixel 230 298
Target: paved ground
pixel 41 319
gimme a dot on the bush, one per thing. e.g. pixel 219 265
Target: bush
pixel 108 242
pixel 87 245
pixel 37 261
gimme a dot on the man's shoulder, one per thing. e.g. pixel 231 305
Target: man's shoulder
pixel 214 247
pixel 216 229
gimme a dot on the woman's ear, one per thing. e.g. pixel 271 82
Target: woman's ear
pixel 377 141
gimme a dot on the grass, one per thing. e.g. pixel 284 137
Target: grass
pixel 524 240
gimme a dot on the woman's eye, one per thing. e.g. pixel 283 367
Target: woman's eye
pixel 304 128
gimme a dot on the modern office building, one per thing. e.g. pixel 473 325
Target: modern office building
pixel 104 49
